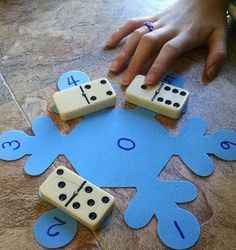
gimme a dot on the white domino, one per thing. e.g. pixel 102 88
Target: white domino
pixel 85 98
pixel 77 197
pixel 164 98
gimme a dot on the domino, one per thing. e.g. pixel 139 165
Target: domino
pixel 77 197
pixel 84 99
pixel 164 98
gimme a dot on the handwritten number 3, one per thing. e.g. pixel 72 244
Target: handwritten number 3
pixel 10 144
pixel 61 223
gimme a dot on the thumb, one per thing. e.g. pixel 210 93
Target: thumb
pixel 217 45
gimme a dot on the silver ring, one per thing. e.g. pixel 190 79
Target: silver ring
pixel 150 26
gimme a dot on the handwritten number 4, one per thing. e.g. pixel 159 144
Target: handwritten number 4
pixel 10 144
pixel 61 223
pixel 72 81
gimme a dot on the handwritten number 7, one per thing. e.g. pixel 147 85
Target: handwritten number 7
pixel 61 223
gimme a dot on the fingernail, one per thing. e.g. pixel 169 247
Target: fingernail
pixel 113 66
pixel 211 73
pixel 107 46
pixel 149 79
pixel 108 42
pixel 126 79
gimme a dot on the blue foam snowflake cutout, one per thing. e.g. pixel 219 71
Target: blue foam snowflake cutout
pixel 129 148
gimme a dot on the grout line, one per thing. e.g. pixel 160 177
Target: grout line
pixel 52 63
pixel 22 112
pixel 13 97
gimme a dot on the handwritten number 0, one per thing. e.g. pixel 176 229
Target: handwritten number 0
pixel 10 143
pixel 126 147
pixel 61 223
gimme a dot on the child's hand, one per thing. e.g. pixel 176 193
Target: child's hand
pixel 185 25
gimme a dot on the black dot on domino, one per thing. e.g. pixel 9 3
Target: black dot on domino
pixel 62 197
pixel 160 99
pixel 183 93
pixel 109 92
pixel 167 88
pixel 144 86
pixel 168 102
pixel 176 104
pixel 92 216
pixel 90 202
pixel 93 98
pixel 175 91
pixel 60 171
pixel 87 86
pixel 103 81
pixel 76 205
pixel 61 184
pixel 88 189
pixel 105 199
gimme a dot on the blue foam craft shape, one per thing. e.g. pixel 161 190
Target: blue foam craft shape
pixel 55 229
pixel 71 79
pixel 129 148
pixel 174 79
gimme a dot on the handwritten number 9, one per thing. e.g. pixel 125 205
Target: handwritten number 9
pixel 14 144
pixel 61 223
pixel 227 144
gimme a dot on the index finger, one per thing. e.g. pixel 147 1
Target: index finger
pixel 126 29
pixel 169 52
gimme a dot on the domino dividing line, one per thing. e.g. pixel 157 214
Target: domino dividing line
pixel 75 193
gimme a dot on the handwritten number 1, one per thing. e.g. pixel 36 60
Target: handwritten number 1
pixel 179 229
pixel 61 223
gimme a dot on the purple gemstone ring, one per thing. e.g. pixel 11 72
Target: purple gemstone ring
pixel 150 26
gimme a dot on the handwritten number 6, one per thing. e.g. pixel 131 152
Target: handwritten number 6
pixel 61 223
pixel 10 144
